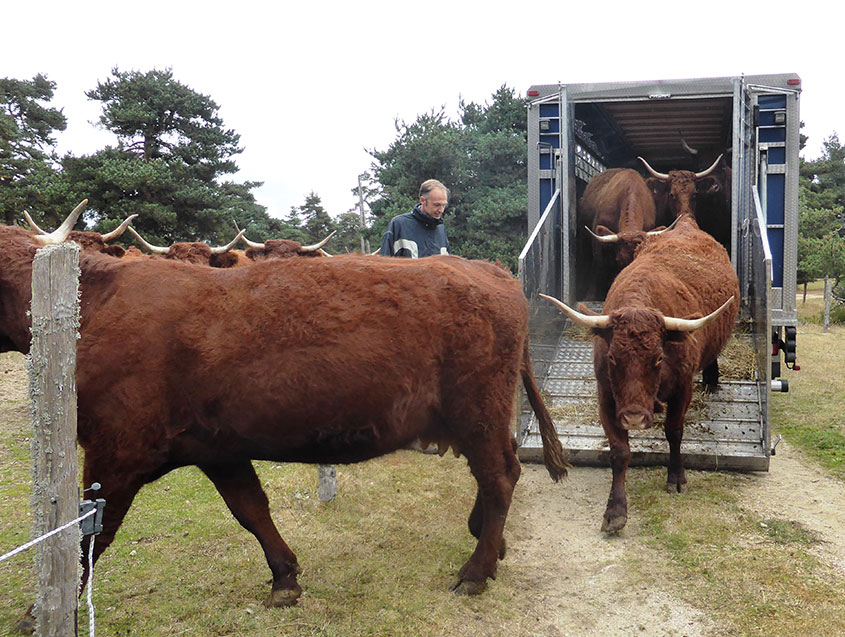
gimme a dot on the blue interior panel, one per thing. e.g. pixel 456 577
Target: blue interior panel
pixel 776 244
pixel 775 193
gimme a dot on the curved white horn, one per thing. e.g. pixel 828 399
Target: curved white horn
pixel 324 253
pixel 228 246
pixel 148 246
pixel 251 244
pixel 59 235
pixel 709 170
pixel 114 234
pixel 317 246
pixel 654 233
pixel 689 325
pixel 653 172
pixel 608 238
pixel 581 319
pixel 32 223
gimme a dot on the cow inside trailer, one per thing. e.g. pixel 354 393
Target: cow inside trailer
pixel 685 124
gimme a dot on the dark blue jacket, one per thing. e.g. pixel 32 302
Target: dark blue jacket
pixel 414 234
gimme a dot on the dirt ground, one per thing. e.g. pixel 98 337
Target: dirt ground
pixel 578 585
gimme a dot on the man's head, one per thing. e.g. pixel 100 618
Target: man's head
pixel 433 198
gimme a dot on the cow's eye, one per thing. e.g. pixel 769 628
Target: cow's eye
pixel 658 360
pixel 612 359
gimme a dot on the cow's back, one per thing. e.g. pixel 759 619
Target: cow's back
pixel 684 273
pixel 618 198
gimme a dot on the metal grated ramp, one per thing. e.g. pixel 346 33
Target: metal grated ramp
pixel 723 430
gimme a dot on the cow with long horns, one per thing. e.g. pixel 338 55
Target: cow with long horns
pixel 290 361
pixel 706 195
pixel 617 212
pixel 667 315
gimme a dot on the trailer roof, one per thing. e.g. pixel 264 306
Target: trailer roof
pixel 661 120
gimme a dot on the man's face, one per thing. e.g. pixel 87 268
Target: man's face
pixel 436 204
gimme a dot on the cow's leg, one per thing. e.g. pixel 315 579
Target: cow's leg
pixel 476 517
pixel 710 377
pixel 496 469
pixel 676 409
pixel 616 514
pixel 242 492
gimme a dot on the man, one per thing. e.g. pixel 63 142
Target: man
pixel 419 233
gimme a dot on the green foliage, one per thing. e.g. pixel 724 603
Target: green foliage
pixel 482 160
pixel 167 167
pixel 27 145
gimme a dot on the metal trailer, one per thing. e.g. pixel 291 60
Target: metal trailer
pixel 576 131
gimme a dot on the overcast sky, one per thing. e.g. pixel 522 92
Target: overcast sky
pixel 311 86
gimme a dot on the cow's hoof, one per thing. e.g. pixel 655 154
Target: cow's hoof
pixel 676 487
pixel 503 549
pixel 614 524
pixel 282 597
pixel 466 587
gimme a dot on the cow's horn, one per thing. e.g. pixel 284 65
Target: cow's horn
pixel 315 247
pixel 148 246
pixel 608 238
pixel 32 223
pixel 114 234
pixel 709 170
pixel 654 233
pixel 59 235
pixel 689 325
pixel 653 172
pixel 228 246
pixel 583 320
pixel 252 244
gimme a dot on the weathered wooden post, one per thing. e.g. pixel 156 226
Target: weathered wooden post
pixel 327 479
pixel 52 386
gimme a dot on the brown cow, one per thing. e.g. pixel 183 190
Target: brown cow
pixel 325 361
pixel 617 210
pixel 92 240
pixel 705 195
pixel 643 355
pixel 284 248
pixel 196 252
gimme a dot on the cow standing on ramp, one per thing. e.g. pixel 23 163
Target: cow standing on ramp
pixel 617 211
pixel 644 351
pixel 292 360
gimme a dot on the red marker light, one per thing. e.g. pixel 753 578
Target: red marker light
pixel 533 93
pixel 793 82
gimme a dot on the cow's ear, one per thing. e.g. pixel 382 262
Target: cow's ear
pixel 707 185
pixel 657 186
pixel 585 310
pixel 604 231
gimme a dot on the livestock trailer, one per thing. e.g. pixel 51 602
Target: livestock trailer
pixel 576 131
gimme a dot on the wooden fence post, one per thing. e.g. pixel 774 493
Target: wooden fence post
pixel 51 365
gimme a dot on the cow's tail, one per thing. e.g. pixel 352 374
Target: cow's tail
pixel 554 456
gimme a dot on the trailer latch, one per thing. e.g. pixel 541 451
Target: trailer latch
pixel 779 438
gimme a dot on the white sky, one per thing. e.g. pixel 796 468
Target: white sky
pixel 310 86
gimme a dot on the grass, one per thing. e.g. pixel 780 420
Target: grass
pixel 810 415
pixel 379 560
pixel 758 576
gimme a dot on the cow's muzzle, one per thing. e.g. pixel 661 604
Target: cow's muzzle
pixel 636 419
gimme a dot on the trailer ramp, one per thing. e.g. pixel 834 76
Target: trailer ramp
pixel 723 430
